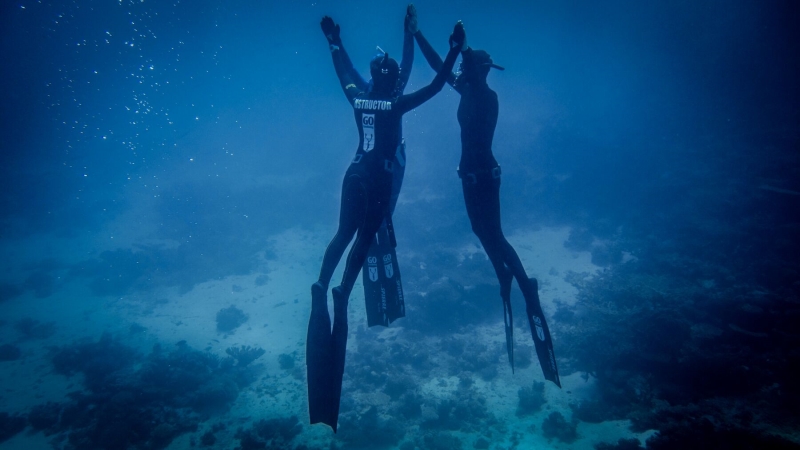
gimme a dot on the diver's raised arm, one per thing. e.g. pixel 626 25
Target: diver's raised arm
pixel 409 28
pixel 332 33
pixel 433 58
pixel 345 80
pixel 457 40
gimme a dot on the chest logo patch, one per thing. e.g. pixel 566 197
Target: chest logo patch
pixel 368 129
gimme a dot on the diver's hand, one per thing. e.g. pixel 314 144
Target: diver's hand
pixel 412 25
pixel 330 30
pixel 458 39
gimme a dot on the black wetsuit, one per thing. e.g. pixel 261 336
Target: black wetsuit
pixel 366 194
pixel 479 171
pixel 344 65
pixel 480 180
pixel 406 63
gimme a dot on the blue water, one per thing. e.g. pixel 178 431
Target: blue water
pixel 171 175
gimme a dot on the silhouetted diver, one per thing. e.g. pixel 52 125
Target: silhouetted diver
pixel 383 289
pixel 366 192
pixel 480 180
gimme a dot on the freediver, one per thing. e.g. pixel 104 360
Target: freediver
pixel 383 295
pixel 480 181
pixel 366 193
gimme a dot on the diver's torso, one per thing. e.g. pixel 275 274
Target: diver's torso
pixel 379 128
pixel 477 116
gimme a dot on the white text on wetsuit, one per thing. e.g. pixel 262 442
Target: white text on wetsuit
pixel 382 105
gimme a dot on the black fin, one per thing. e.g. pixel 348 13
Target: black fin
pixel 319 360
pixel 383 288
pixel 541 334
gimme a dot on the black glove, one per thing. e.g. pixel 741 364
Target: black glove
pixel 459 37
pixel 330 30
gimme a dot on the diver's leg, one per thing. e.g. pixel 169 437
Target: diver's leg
pixel 495 242
pixel 540 332
pixel 498 247
pixel 374 214
pixel 323 400
pixel 369 225
pixel 483 207
pixel 351 214
pixel 397 176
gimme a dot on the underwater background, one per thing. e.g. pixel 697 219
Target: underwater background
pixel 171 176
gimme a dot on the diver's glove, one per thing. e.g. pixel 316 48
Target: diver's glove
pixel 458 39
pixel 412 24
pixel 330 30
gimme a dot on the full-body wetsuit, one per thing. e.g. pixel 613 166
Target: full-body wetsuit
pixel 383 293
pixel 366 193
pixel 480 180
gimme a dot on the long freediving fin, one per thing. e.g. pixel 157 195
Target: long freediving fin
pixel 541 335
pixel 339 351
pixel 374 292
pixel 508 320
pixel 505 277
pixel 319 360
pixel 383 289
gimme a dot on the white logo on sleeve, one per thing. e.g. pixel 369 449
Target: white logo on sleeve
pixel 368 127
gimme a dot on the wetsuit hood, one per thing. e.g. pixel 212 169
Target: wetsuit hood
pixel 479 58
pixel 384 71
pixel 475 66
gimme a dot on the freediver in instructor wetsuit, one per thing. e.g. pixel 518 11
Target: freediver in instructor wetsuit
pixel 366 192
pixel 480 180
pixel 383 296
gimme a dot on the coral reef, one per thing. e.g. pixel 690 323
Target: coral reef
pixel 555 426
pixel 208 439
pixel 261 280
pixel 45 417
pixel 651 335
pixel 10 425
pixel 230 318
pixel 99 361
pixel 33 329
pixel 286 361
pixel 448 306
pixel 369 430
pixel 622 444
pixel 481 444
pixel 704 432
pixel 245 354
pixel 9 352
pixel 42 283
pixel 135 401
pixel 9 291
pixel 531 399
pixel 273 434
pixel 442 441
pixel 465 411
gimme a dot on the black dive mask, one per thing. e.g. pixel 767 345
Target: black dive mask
pixel 384 71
